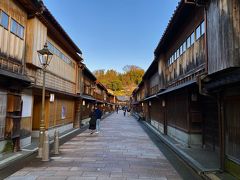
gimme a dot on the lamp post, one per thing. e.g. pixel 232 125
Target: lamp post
pixel 45 57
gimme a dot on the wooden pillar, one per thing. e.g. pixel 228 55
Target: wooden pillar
pixel 188 91
pixel 221 129
pixel 164 106
pixel 77 119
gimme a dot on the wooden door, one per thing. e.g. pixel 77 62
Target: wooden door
pixel 3 106
pixel 37 105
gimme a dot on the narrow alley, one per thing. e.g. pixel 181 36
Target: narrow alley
pixel 122 150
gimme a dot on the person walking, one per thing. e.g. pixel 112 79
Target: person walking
pixel 92 122
pixel 129 112
pixel 117 109
pixel 98 113
pixel 124 110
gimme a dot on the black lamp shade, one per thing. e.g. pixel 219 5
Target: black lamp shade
pixel 45 56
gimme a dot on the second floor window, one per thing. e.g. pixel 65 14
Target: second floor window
pixel 192 38
pixel 202 27
pixel 181 50
pixel 58 53
pixel 188 42
pixel 198 32
pixel 4 19
pixel 14 26
pixel 17 28
pixel 184 46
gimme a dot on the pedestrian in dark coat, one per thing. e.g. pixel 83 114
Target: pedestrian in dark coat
pixel 92 122
pixel 98 113
pixel 117 109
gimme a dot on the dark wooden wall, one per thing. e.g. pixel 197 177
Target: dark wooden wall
pixel 223 29
pixel 210 122
pixel 177 109
pixel 157 111
pixel 232 124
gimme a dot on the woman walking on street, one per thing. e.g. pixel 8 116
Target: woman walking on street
pixel 124 110
pixel 98 113
pixel 129 112
pixel 92 122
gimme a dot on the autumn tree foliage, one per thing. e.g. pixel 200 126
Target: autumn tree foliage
pixel 120 83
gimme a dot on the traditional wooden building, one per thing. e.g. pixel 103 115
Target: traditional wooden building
pixel 25 26
pixel 192 86
pixel 155 105
pixel 137 101
pixel 15 113
pixel 110 105
pixel 71 89
pixel 62 76
pixel 93 93
pixel 171 92
pixel 181 60
pixel 223 79
pixel 87 101
pixel 101 96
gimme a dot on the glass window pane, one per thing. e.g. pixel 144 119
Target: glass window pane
pixel 184 46
pixel 4 19
pixel 192 38
pixel 188 42
pixel 69 61
pixel 20 31
pixel 62 56
pixel 198 32
pixel 181 49
pixel 57 52
pixel 203 28
pixel 50 47
pixel 14 26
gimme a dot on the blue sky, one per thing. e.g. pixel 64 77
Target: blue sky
pixel 114 33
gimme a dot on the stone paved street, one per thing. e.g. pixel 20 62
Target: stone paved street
pixel 122 150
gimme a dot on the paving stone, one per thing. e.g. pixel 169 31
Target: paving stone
pixel 41 173
pixel 81 178
pixel 58 168
pixel 20 173
pixel 22 178
pixel 96 174
pixel 69 173
pixel 116 174
pixel 53 178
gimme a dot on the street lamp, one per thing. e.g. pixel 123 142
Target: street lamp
pixel 45 57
